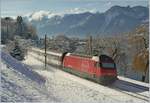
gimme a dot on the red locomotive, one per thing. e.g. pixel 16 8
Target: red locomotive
pixel 101 69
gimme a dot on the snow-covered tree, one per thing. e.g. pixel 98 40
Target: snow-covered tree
pixel 17 52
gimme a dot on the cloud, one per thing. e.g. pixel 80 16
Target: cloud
pixel 79 10
pixel 39 15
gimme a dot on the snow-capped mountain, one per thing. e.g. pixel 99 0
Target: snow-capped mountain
pixel 115 20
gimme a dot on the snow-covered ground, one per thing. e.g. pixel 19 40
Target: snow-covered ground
pixel 69 88
pixel 17 87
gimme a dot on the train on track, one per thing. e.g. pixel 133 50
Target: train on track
pixel 101 69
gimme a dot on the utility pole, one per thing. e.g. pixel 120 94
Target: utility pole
pixel 90 45
pixel 7 23
pixel 45 51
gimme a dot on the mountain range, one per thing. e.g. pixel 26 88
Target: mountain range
pixel 115 20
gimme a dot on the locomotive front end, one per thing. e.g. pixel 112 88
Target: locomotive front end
pixel 107 70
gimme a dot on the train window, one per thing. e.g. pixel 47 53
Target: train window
pixel 108 65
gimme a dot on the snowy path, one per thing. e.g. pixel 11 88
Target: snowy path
pixel 70 88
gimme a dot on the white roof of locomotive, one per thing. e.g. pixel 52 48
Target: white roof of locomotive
pixel 68 54
pixel 95 58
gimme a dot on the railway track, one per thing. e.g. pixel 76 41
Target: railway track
pixel 135 90
pixel 144 88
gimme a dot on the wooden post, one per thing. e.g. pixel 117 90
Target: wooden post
pixel 45 51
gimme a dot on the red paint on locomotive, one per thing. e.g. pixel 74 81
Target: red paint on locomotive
pixel 79 63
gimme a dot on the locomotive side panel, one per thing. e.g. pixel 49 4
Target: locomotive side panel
pixel 84 66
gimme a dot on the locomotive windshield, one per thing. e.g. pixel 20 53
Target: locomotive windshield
pixel 106 62
pixel 108 65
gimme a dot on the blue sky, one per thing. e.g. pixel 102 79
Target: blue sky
pixel 22 7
